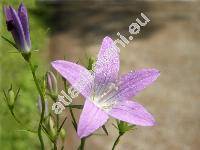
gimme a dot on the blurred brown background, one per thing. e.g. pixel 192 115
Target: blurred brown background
pixel 169 42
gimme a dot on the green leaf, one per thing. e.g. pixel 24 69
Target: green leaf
pixel 10 42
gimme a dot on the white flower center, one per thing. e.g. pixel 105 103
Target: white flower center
pixel 103 99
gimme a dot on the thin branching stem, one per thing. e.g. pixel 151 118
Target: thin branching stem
pixel 43 104
pixel 116 141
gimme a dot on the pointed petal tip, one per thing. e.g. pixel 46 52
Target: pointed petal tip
pixel 13 12
pixel 53 62
pixel 11 8
pixel 107 38
pixel 6 11
pixel 149 121
pixel 56 62
pixel 22 7
pixel 21 4
pixel 155 72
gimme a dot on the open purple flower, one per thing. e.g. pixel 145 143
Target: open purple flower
pixel 18 25
pixel 105 92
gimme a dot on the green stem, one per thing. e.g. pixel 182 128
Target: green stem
pixel 73 118
pixel 54 146
pixel 43 104
pixel 70 109
pixel 57 130
pixel 15 117
pixel 81 147
pixel 116 141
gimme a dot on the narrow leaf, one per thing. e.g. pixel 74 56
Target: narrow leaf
pixel 10 42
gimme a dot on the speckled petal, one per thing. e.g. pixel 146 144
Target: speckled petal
pixel 107 65
pixel 91 119
pixel 134 82
pixel 132 113
pixel 23 15
pixel 78 76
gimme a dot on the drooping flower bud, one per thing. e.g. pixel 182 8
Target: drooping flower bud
pixel 18 25
pixel 51 83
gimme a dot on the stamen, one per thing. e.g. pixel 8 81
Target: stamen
pixel 103 101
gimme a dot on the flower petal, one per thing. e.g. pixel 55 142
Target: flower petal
pixel 134 82
pixel 7 13
pixel 91 119
pixel 19 37
pixel 78 76
pixel 107 65
pixel 23 16
pixel 133 113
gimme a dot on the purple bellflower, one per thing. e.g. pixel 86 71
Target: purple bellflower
pixel 105 92
pixel 18 25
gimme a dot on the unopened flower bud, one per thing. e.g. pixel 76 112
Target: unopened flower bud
pixel 18 24
pixel 51 82
pixel 11 98
pixel 62 134
pixel 40 106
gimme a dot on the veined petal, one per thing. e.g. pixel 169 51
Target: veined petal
pixel 133 113
pixel 78 76
pixel 91 119
pixel 107 65
pixel 23 16
pixel 134 82
pixel 18 30
pixel 7 13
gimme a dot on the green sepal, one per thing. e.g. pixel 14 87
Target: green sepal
pixel 123 127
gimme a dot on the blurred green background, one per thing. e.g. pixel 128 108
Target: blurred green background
pixel 170 43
